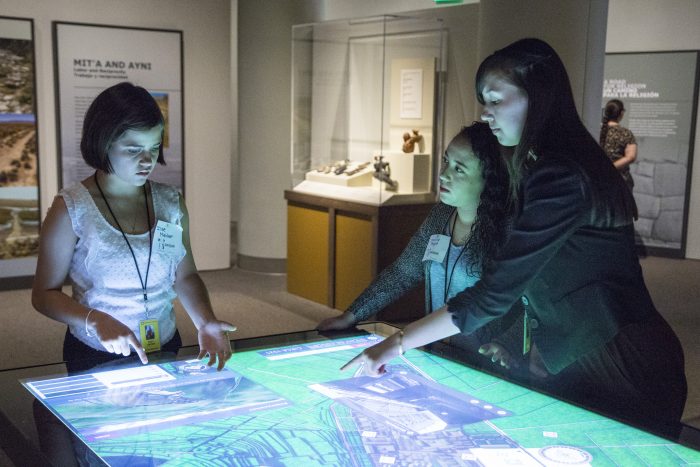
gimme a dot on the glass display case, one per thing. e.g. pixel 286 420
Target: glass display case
pixel 367 109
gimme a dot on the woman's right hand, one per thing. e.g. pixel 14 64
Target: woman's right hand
pixel 338 323
pixel 114 335
pixel 372 361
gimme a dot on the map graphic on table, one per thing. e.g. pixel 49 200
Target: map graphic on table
pixel 292 406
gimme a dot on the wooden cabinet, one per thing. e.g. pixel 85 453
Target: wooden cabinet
pixel 335 248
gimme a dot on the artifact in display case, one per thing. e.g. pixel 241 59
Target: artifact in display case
pixel 382 172
pixel 343 173
pixel 367 109
pixel 410 141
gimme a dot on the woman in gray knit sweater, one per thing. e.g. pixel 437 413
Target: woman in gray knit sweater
pixel 455 242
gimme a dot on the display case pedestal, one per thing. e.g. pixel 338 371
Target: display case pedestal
pixel 335 248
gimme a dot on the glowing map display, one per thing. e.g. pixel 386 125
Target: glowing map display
pixel 292 406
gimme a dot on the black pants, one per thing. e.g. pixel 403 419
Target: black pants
pixel 638 377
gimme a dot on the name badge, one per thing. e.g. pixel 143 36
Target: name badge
pixel 527 335
pixel 168 239
pixel 150 336
pixel 437 248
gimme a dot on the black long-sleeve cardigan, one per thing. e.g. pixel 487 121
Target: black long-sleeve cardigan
pixel 571 255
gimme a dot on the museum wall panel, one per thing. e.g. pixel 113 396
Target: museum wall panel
pixel 207 100
pixel 662 25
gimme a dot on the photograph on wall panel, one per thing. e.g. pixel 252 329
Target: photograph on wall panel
pixel 19 177
pixel 90 58
pixel 659 92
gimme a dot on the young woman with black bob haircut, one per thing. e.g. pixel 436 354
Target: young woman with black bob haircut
pixel 101 233
pixel 472 214
pixel 569 257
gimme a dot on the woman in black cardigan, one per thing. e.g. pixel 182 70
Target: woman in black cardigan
pixel 570 256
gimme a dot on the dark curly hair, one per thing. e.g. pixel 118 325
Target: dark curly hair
pixel 489 230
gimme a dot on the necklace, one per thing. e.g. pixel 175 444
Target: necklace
pixel 144 283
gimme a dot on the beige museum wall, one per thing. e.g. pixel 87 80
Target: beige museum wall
pixel 208 119
pixel 662 25
pixel 264 99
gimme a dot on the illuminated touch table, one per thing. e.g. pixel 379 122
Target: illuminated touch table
pixel 282 400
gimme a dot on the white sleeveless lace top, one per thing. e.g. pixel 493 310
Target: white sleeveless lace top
pixel 102 271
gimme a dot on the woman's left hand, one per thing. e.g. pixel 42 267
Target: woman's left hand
pixel 498 354
pixel 372 361
pixel 213 340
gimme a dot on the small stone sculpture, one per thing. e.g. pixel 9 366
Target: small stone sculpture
pixel 382 172
pixel 355 170
pixel 410 140
pixel 340 167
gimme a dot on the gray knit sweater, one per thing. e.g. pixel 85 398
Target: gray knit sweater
pixel 408 272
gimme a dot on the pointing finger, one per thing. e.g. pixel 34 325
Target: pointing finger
pixel 351 363
pixel 137 347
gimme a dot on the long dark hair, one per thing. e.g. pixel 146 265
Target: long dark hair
pixel 553 127
pixel 490 227
pixel 612 113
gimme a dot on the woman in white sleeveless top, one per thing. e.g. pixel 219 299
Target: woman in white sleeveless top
pixel 123 243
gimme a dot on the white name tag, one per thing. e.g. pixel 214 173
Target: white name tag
pixel 437 248
pixel 168 239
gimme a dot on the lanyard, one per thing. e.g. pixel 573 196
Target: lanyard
pixel 448 278
pixel 144 284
